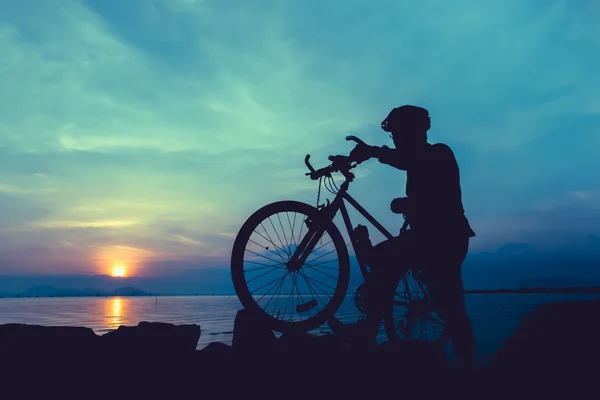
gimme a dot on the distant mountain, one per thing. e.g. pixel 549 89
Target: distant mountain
pixel 200 280
pixel 560 283
pixel 51 291
pixel 48 291
pixel 514 249
pixel 128 291
pixel 513 265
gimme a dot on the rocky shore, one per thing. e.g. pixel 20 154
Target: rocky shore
pixel 556 347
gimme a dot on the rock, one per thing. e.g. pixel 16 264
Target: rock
pixel 214 351
pixel 23 340
pixel 251 334
pixel 306 344
pixel 216 358
pixel 413 355
pixel 555 337
pixel 153 339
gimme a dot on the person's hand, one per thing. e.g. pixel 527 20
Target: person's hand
pixel 399 205
pixel 361 152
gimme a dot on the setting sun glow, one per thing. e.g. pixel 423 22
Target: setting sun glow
pixel 118 270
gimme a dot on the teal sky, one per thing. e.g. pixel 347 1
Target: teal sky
pixel 145 132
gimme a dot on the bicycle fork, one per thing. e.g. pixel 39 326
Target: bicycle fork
pixel 316 228
pixel 305 247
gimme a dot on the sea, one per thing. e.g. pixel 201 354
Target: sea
pixel 494 316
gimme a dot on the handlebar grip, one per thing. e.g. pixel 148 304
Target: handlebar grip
pixel 308 163
pixel 354 138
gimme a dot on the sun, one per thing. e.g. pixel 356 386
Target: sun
pixel 118 271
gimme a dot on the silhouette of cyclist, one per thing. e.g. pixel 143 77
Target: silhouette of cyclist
pixel 438 238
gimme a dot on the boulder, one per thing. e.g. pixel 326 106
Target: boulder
pixel 215 359
pixel 215 349
pixel 22 341
pixel 417 355
pixel 307 344
pixel 251 334
pixel 561 337
pixel 153 339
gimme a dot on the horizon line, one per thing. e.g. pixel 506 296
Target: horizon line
pixel 522 290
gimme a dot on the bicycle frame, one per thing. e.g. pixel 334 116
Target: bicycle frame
pixel 326 215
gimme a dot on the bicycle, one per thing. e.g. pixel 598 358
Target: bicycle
pixel 412 307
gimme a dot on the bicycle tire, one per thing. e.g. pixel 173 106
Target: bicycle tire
pixel 418 296
pixel 241 285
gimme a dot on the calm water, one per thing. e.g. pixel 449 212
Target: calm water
pixel 494 317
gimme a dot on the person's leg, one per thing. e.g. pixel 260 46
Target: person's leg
pixel 388 262
pixel 444 282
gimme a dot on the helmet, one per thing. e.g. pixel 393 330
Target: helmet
pixel 407 116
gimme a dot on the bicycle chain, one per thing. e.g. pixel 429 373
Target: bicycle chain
pixel 319 192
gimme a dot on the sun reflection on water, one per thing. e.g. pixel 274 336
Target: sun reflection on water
pixel 114 312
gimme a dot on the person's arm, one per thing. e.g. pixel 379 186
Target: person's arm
pixel 388 156
pixel 442 194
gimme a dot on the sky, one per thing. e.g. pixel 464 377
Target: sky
pixel 144 133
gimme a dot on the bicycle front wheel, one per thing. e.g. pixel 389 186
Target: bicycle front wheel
pixel 297 299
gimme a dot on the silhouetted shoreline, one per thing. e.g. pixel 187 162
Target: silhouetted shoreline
pixel 539 290
pixel 554 344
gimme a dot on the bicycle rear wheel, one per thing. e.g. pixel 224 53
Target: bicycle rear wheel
pixel 412 315
pixel 291 300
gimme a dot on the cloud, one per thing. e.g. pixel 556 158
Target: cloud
pixel 563 222
pixel 163 125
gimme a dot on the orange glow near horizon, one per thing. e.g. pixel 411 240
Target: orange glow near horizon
pixel 121 261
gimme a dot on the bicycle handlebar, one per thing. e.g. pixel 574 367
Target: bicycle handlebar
pixel 355 139
pixel 310 167
pixel 339 163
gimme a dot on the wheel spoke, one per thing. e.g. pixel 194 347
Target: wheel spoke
pixel 324 273
pixel 284 235
pixel 263 274
pixel 310 288
pixel 322 266
pixel 315 282
pixel 323 245
pixel 267 249
pixel 291 227
pixel 317 286
pixel 279 237
pixel 278 292
pixel 277 248
pixel 267 284
pixel 286 306
pixel 264 294
pixel 257 263
pixel 292 297
pixel 321 256
pixel 278 295
pixel 260 255
pixel 299 298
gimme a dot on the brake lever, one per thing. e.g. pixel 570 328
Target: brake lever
pixel 355 139
pixel 310 167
